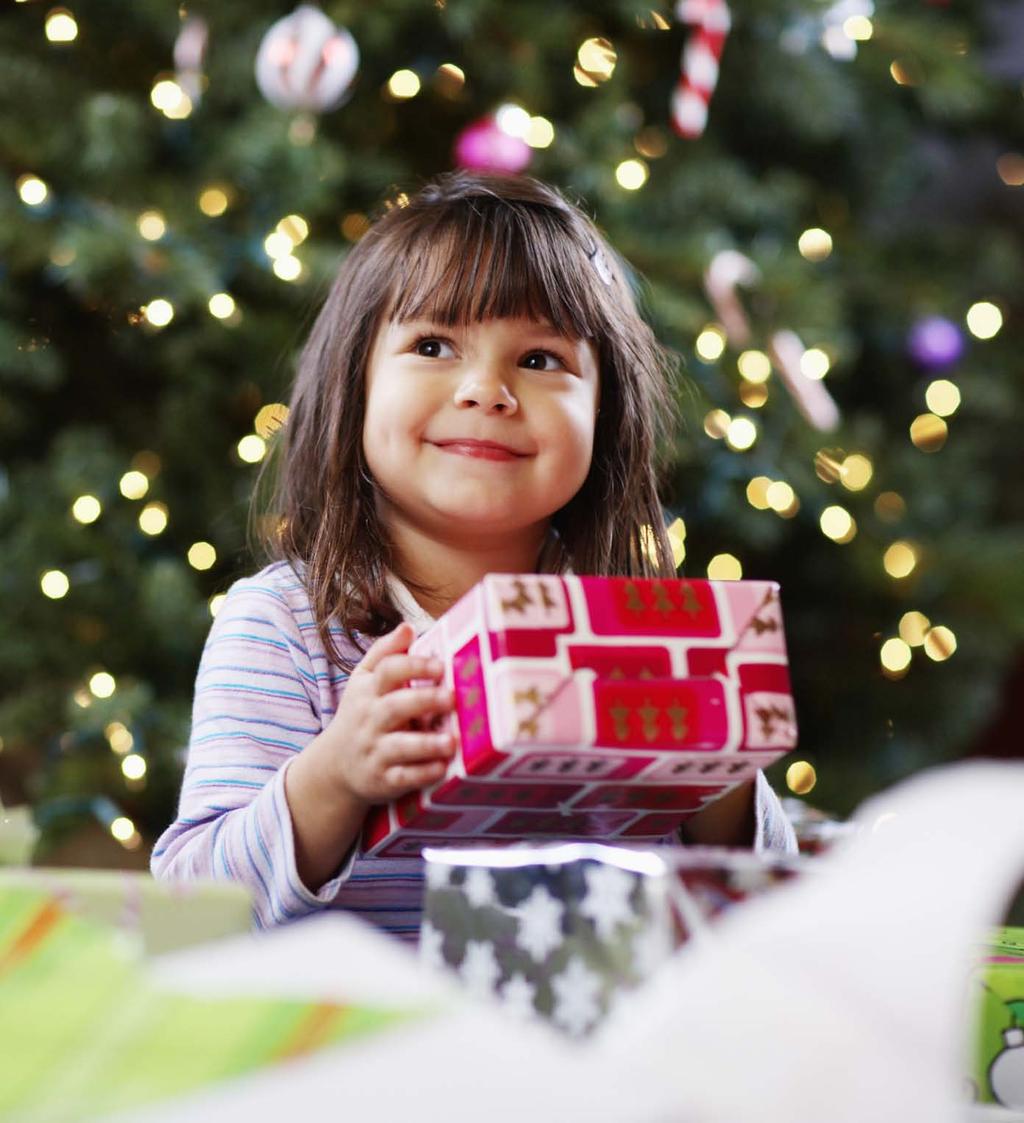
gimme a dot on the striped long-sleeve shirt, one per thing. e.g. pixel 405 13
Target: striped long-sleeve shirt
pixel 265 688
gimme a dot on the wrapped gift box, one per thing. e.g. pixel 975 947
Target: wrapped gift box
pixel 997 987
pixel 597 707
pixel 563 931
pixel 161 915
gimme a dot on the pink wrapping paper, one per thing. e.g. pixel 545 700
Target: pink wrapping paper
pixel 597 707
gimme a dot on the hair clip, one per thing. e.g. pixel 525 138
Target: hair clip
pixel 600 263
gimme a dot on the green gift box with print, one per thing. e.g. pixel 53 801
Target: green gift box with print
pixel 997 995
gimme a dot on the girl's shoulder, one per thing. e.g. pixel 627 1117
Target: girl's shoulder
pixel 280 581
pixel 276 595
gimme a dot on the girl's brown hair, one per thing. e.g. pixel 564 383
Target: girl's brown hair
pixel 466 248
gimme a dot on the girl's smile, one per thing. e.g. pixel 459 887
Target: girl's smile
pixel 480 450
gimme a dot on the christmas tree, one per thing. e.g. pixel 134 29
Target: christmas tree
pixel 834 255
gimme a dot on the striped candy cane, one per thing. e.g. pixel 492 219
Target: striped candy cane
pixel 699 63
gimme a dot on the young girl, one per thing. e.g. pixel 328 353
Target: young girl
pixel 478 394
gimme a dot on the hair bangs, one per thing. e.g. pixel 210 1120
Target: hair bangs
pixel 480 262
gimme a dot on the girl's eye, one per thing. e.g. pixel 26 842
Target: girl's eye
pixel 431 348
pixel 542 360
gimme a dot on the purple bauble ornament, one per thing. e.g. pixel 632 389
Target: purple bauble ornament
pixel 935 343
pixel 483 147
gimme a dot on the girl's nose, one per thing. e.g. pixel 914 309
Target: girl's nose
pixel 488 391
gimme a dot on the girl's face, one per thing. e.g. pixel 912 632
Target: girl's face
pixel 478 431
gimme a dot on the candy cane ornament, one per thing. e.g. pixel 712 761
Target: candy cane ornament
pixel 726 272
pixel 699 63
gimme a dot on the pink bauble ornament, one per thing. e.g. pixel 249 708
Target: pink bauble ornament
pixel 306 62
pixel 484 147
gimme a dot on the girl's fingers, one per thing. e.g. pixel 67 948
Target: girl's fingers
pixel 402 778
pixel 397 709
pixel 414 748
pixel 394 671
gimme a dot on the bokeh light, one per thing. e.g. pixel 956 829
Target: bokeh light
pixel 631 174
pixel 133 485
pixel 172 101
pixel 403 84
pixel 725 567
pixel 928 432
pixel 60 26
pixel 890 506
pixel 122 828
pixel 133 766
pixel 814 363
pixel 801 777
pixel 942 397
pixel 716 424
pixel 984 319
pixel 939 643
pixel 900 560
pixel 270 418
pixel 54 583
pixel 153 519
pixel 856 471
pixel 710 343
pixel 151 225
pixel 221 305
pixel 213 201
pixel 913 627
pixel 540 133
pixel 252 448
pixel 741 434
pixel 31 190
pixel 757 492
pixel 159 312
pixel 201 555
pixel 838 524
pixel 102 684
pixel 120 737
pixel 895 655
pixel 815 244
pixel 287 268
pixel 596 58
pixel 86 509
pixel 754 366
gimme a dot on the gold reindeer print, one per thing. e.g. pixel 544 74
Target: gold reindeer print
pixel 677 716
pixel 649 717
pixel 620 716
pixel 662 603
pixel 522 598
pixel 768 716
pixel 634 602
pixel 529 726
pixel 691 606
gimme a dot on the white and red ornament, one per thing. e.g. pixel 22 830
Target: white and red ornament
pixel 699 64
pixel 189 55
pixel 484 146
pixel 306 62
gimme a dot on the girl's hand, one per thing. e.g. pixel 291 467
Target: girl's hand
pixel 380 744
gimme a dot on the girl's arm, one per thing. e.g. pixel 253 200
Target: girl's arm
pixel 257 705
